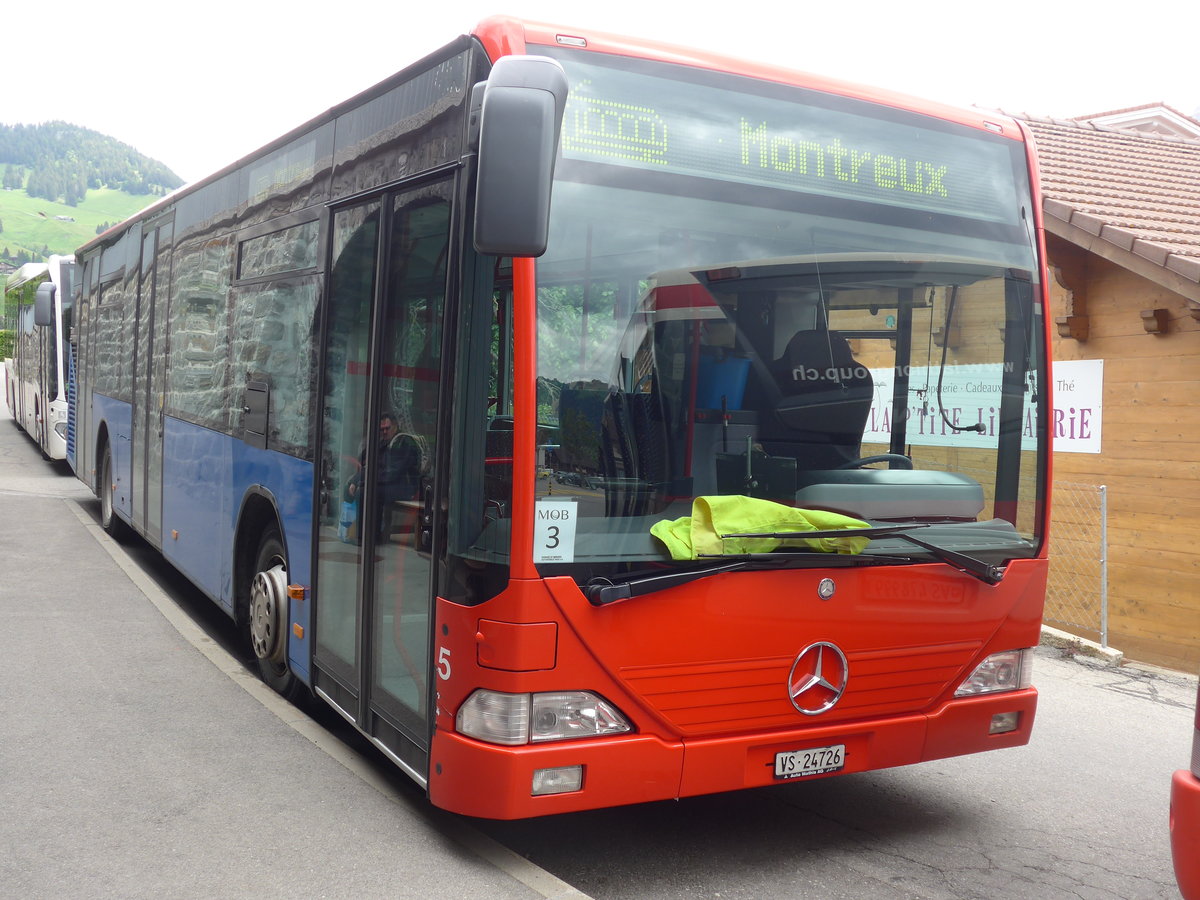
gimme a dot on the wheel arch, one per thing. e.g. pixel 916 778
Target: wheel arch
pixel 101 441
pixel 259 512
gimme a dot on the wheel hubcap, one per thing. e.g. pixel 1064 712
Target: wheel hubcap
pixel 268 614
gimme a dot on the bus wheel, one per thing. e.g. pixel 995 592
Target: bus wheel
pixel 109 521
pixel 268 616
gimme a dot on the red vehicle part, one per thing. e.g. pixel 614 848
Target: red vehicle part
pixel 1185 820
pixel 703 671
pixel 504 36
pixel 710 706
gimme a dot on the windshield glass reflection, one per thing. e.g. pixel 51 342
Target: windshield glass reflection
pixel 814 354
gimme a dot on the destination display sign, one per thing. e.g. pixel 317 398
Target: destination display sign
pixel 834 148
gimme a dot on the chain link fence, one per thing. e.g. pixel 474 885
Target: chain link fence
pixel 1077 590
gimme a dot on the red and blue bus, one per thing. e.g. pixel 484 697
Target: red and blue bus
pixel 38 374
pixel 590 421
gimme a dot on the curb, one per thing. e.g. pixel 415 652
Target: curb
pixel 1073 643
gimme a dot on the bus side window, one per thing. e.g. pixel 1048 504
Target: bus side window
pixel 497 471
pixel 482 449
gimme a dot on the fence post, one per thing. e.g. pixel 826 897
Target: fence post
pixel 1104 566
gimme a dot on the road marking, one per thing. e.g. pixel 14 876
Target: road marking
pixel 512 864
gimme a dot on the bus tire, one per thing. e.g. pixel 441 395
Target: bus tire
pixel 267 619
pixel 112 524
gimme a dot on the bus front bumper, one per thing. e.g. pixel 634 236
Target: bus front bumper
pixel 473 778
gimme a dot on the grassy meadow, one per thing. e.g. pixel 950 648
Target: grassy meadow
pixel 31 223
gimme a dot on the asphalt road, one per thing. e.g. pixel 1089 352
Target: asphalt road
pixel 139 758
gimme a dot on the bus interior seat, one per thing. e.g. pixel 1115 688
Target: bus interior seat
pixel 580 411
pixel 637 448
pixel 818 403
pixel 623 438
pixel 498 465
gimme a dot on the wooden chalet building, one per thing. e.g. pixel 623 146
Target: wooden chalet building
pixel 1121 196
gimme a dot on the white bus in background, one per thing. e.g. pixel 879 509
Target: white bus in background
pixel 38 374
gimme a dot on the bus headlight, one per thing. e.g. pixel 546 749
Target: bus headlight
pixel 573 714
pixel 515 719
pixel 495 717
pixel 60 428
pixel 1011 670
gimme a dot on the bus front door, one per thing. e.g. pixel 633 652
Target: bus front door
pixel 374 580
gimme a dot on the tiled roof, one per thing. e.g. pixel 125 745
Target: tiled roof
pixel 1134 192
pixel 1144 108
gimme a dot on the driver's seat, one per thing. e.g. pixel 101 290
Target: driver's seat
pixel 823 400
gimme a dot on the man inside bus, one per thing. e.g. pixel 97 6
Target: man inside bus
pixel 399 461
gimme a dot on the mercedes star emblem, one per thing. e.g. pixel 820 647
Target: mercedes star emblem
pixel 818 678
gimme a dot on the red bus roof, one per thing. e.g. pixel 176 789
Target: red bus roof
pixel 508 36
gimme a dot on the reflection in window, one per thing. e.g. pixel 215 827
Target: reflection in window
pixel 197 380
pixel 111 357
pixel 288 250
pixel 273 336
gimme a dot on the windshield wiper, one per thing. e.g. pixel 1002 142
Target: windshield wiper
pixel 602 591
pixel 976 568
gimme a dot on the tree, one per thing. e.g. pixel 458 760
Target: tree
pixel 58 156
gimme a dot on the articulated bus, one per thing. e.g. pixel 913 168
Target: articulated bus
pixel 38 374
pixel 590 421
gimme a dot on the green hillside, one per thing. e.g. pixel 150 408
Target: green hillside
pixel 31 228
pixel 63 184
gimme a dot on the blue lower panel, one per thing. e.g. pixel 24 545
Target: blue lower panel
pixel 197 518
pixel 207 476
pixel 117 417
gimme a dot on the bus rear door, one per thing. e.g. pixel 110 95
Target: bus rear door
pixel 149 389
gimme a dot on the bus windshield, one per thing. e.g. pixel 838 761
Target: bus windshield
pixel 754 290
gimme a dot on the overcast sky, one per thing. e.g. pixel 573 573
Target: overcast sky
pixel 198 85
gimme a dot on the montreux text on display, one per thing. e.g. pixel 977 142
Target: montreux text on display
pixel 692 129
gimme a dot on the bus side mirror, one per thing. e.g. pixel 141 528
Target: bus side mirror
pixel 43 305
pixel 520 119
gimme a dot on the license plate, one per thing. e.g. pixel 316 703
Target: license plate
pixel 814 761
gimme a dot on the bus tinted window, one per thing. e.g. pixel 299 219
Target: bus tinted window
pixel 414 127
pixel 293 177
pixel 273 337
pixel 114 361
pixel 198 377
pixel 288 250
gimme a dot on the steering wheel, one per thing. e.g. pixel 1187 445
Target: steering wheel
pixel 894 460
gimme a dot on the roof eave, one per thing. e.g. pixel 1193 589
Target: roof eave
pixel 1153 261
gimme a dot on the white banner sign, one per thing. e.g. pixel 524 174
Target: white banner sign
pixel 1078 405
pixel 943 403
